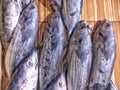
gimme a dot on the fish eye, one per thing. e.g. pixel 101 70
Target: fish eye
pixel 29 63
pixel 107 25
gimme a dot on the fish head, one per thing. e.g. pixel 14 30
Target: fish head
pixel 78 34
pixel 103 32
pixel 59 83
pixel 105 28
pixel 32 61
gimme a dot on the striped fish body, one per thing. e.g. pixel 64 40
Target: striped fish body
pixel 51 51
pixel 79 58
pixel 104 51
pixel 10 12
pixel 23 39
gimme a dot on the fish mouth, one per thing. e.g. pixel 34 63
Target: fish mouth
pixel 105 23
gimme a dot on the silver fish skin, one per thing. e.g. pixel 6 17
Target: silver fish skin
pixel 71 11
pixel 11 10
pixel 59 83
pixel 58 2
pixel 54 5
pixel 26 75
pixel 104 53
pixel 79 58
pixel 10 13
pixel 23 39
pixel 111 86
pixel 52 50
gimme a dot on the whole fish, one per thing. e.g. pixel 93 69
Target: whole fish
pixel 71 10
pixel 79 58
pixel 59 83
pixel 23 39
pixel 104 52
pixel 26 75
pixel 11 11
pixel 111 86
pixel 51 51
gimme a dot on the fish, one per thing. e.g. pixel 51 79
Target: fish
pixel 24 38
pixel 0 48
pixel 26 75
pixel 59 83
pixel 11 11
pixel 52 48
pixel 111 86
pixel 104 54
pixel 58 3
pixel 71 11
pixel 79 58
pixel 55 5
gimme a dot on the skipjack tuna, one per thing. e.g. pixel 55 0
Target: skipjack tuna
pixel 51 50
pixel 26 75
pixel 79 58
pixel 111 86
pixel 71 11
pixel 23 39
pixel 104 52
pixel 59 83
pixel 11 12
